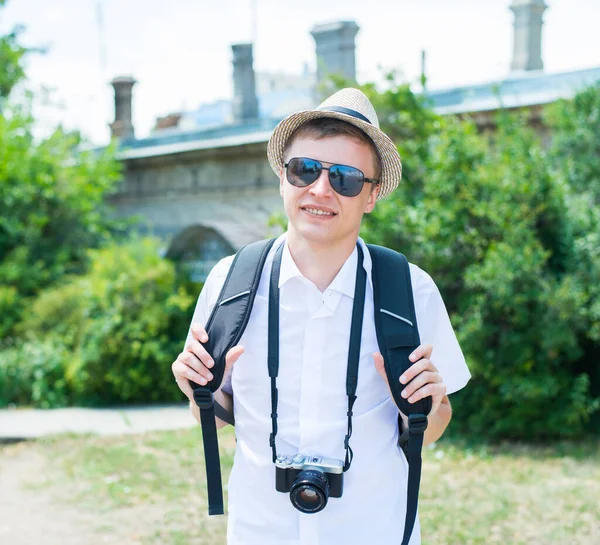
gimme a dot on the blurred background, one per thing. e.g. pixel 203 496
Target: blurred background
pixel 133 157
pixel 181 56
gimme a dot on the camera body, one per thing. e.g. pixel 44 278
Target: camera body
pixel 289 468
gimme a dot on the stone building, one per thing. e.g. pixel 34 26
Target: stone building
pixel 202 182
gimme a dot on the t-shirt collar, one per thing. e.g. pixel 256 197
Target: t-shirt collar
pixel 343 282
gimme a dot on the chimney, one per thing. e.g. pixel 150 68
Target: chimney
pixel 169 121
pixel 122 126
pixel 335 49
pixel 245 103
pixel 527 45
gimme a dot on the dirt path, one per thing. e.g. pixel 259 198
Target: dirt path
pixel 32 514
pixel 29 514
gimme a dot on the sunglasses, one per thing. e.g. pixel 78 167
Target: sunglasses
pixel 345 180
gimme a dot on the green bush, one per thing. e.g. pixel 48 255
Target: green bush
pixel 514 245
pixel 52 208
pixel 34 374
pixel 117 327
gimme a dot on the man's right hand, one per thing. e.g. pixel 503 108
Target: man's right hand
pixel 194 362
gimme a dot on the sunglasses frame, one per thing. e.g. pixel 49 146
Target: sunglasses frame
pixel 328 169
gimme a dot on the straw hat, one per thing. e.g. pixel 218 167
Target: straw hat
pixel 352 106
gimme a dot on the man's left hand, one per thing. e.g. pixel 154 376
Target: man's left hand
pixel 427 380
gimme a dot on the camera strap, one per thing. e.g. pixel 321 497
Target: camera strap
pixel 353 349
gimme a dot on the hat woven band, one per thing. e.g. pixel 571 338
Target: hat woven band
pixel 347 111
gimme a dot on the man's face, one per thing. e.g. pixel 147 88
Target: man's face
pixel 341 221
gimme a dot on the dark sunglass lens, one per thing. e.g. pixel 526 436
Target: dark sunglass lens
pixel 347 181
pixel 303 172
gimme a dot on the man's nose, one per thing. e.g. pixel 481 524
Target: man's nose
pixel 321 186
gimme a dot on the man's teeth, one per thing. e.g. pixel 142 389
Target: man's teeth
pixel 318 212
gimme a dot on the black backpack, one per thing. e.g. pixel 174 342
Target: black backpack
pixel 397 336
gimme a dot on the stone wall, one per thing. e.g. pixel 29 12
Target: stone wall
pixel 231 190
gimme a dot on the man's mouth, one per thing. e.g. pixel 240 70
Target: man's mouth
pixel 318 212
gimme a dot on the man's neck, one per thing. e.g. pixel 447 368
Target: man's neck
pixel 319 263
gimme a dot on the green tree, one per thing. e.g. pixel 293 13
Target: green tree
pixel 52 209
pixel 514 251
pixel 52 206
pixel 575 126
pixel 11 56
pixel 84 317
pixel 575 155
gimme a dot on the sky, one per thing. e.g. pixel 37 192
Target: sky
pixel 180 51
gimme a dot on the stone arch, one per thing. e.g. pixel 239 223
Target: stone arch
pixel 198 249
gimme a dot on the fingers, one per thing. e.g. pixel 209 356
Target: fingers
pixel 199 333
pixel 195 361
pixel 185 387
pixel 422 378
pixel 425 384
pixel 200 352
pixel 437 390
pixel 417 368
pixel 188 366
pixel 379 365
pixel 422 351
pixel 233 355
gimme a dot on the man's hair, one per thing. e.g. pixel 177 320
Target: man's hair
pixel 324 127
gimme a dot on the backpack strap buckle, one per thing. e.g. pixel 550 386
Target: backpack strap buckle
pixel 204 398
pixel 417 423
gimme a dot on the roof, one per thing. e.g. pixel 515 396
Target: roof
pixel 520 89
pixel 271 105
pixel 210 126
pixel 182 141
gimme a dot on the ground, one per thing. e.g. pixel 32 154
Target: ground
pixel 31 512
pixel 149 489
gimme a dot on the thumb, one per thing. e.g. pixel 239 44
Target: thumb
pixel 233 355
pixel 379 365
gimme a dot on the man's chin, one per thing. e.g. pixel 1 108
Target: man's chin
pixel 319 234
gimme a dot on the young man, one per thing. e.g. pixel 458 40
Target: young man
pixel 333 165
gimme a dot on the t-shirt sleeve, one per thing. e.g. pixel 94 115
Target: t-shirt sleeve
pixel 435 329
pixel 209 294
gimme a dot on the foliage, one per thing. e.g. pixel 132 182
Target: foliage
pixel 82 319
pixel 11 57
pixel 51 209
pixel 51 197
pixel 513 247
pixel 114 327
pixel 575 125
pixel 34 374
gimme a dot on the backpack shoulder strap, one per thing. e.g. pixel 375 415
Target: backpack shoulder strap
pixel 225 327
pixel 395 320
pixel 397 336
pixel 230 315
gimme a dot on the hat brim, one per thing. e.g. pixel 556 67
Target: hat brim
pixel 391 166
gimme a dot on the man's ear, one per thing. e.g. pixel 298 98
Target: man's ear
pixel 281 180
pixel 372 199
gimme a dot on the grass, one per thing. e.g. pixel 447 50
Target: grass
pixel 469 495
pixel 512 494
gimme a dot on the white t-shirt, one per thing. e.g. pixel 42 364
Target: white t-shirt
pixel 314 337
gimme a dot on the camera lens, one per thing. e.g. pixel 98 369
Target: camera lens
pixel 310 491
